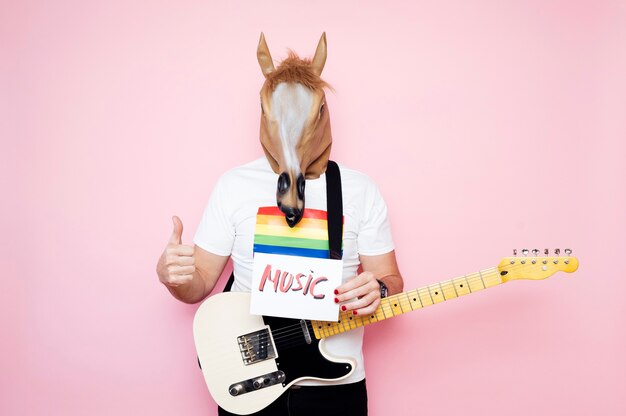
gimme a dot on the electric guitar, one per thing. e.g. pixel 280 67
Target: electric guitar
pixel 248 361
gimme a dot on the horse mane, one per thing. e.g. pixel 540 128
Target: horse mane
pixel 297 70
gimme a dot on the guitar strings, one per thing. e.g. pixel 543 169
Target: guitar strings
pixel 296 329
pixel 386 307
pixel 486 278
pixel 291 335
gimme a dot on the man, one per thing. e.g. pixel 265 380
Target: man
pixel 227 229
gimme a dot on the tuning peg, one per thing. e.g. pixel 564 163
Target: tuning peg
pixel 557 251
pixel 525 251
pixel 535 251
pixel 515 252
pixel 546 251
pixel 568 251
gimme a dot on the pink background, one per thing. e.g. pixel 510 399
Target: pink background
pixel 488 125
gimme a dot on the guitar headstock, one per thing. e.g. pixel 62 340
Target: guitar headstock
pixel 535 267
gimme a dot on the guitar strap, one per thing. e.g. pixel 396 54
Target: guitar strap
pixel 334 212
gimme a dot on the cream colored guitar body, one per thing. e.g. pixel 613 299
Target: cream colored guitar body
pixel 224 357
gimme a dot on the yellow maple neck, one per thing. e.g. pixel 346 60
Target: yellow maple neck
pixel 409 301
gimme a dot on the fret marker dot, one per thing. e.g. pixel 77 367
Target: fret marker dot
pixel 372 316
pixel 395 305
pixel 414 299
pixel 436 293
pixel 461 285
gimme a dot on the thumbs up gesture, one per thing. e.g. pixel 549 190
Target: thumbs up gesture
pixel 177 264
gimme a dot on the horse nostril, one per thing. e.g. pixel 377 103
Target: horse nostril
pixel 300 183
pixel 292 215
pixel 283 183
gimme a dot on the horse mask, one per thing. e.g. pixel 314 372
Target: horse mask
pixel 295 127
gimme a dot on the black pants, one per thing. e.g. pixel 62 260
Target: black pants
pixel 341 400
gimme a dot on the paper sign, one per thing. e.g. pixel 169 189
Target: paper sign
pixel 295 287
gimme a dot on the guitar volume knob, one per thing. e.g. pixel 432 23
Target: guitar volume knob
pixel 258 383
pixel 235 389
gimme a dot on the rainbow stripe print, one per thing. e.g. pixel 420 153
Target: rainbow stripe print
pixel 309 238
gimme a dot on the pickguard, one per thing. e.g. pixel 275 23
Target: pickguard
pixel 298 359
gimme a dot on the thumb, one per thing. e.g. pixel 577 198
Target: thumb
pixel 177 233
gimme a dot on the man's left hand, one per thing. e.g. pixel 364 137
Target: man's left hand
pixel 361 294
pixel 365 291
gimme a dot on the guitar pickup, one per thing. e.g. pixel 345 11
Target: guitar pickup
pixel 256 347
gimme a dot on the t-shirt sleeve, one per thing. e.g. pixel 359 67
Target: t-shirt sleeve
pixel 375 232
pixel 216 231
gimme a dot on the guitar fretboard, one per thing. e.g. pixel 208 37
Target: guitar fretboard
pixel 409 301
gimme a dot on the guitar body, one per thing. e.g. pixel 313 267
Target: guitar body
pixel 248 361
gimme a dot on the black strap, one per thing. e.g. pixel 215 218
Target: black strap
pixel 334 209
pixel 230 282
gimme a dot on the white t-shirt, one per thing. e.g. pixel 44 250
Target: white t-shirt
pixel 228 225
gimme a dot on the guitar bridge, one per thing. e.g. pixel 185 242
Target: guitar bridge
pixel 256 347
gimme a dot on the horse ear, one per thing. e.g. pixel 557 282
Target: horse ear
pixel 264 57
pixel 320 56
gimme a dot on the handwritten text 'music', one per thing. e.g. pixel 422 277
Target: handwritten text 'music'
pixel 284 281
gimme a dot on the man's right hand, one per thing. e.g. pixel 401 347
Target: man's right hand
pixel 177 264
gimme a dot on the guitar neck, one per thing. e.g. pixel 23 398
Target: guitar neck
pixel 410 301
